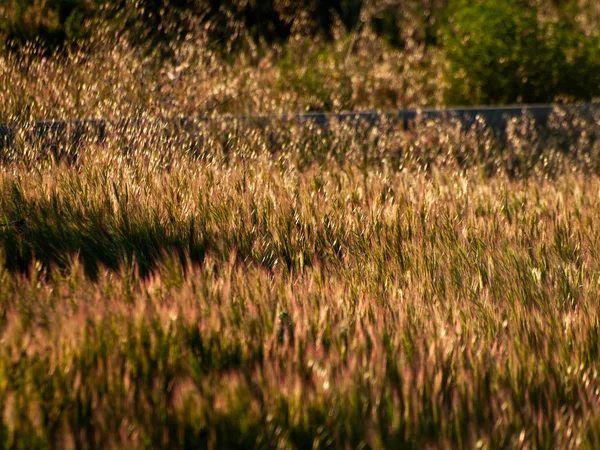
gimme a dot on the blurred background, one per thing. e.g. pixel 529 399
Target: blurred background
pixel 74 58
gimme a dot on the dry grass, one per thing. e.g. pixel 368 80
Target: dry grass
pixel 289 287
pixel 112 80
pixel 286 286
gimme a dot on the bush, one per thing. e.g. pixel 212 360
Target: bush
pixel 317 75
pixel 499 52
pixel 53 23
pixel 50 24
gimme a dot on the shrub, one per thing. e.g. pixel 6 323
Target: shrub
pixel 499 52
pixel 49 23
pixel 318 75
pixel 53 23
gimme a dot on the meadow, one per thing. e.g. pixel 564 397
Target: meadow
pixel 281 285
pixel 294 287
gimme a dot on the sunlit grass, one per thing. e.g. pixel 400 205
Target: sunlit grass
pixel 293 288
pixel 110 79
pixel 230 285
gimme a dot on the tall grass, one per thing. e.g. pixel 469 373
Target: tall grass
pixel 290 287
pixel 225 284
pixel 109 78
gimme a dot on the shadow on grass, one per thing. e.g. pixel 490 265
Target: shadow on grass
pixel 53 235
pixel 56 231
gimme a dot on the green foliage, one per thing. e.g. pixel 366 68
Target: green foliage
pixel 500 52
pixel 53 23
pixel 318 75
pixel 48 23
pixel 328 54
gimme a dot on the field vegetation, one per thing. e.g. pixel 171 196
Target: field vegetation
pixel 290 287
pixel 233 284
pixel 90 58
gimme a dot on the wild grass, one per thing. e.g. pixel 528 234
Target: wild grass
pixel 111 79
pixel 229 285
pixel 290 287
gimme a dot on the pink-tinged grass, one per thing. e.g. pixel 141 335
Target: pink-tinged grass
pixel 287 297
pixel 287 286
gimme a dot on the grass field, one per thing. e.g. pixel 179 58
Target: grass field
pixel 289 287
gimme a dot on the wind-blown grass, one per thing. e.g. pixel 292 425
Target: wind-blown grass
pixel 291 288
pixel 229 285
